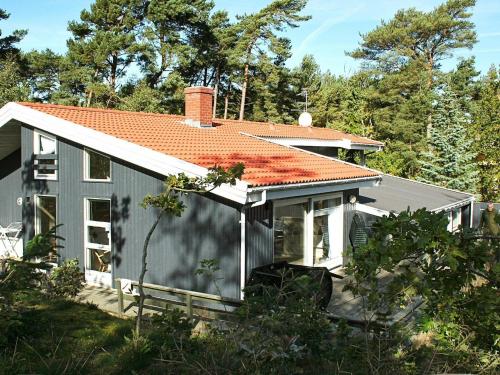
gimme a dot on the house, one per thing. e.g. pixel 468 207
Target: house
pixel 89 169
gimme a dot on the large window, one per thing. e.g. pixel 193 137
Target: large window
pixel 46 218
pixel 455 219
pixel 45 150
pixel 97 166
pixel 327 231
pixel 309 231
pixel 289 233
pixel 98 241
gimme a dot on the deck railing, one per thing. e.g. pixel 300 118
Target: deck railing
pixel 187 297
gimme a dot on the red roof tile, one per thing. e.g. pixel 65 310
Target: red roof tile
pixel 224 144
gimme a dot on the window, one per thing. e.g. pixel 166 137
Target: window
pixel 45 150
pixel 46 219
pixel 327 231
pixel 97 166
pixel 455 216
pixel 289 233
pixel 98 241
pixel 309 231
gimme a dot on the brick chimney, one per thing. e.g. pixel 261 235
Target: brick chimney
pixel 198 106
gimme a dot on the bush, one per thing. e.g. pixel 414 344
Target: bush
pixel 66 280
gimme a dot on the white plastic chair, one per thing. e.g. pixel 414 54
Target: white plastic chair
pixel 12 235
pixel 3 241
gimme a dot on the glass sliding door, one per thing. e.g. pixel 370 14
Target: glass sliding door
pixel 328 234
pixel 46 219
pixel 98 241
pixel 289 233
pixel 309 231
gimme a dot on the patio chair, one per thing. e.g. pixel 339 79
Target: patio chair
pixel 3 240
pixel 12 235
pixel 358 234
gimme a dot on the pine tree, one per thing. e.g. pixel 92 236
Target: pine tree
pixel 486 135
pixel 449 162
pixel 105 42
pixel 258 30
pixel 7 43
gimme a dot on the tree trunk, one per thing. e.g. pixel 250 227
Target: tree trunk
pixel 430 83
pixel 142 296
pixel 216 93
pixel 226 100
pixel 226 104
pixel 244 93
pixel 114 67
pixel 89 98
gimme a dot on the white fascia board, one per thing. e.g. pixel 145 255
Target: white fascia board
pixel 344 143
pixel 138 155
pixel 457 204
pixel 371 210
pixel 312 188
pixel 310 142
pixel 361 146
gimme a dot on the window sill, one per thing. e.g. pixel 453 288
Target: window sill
pixel 102 181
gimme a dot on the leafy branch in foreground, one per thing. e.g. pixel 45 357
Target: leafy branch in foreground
pixel 169 202
pixel 413 254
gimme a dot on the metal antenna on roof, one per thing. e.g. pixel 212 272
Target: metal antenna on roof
pixel 305 118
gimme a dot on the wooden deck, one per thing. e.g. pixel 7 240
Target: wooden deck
pixel 343 305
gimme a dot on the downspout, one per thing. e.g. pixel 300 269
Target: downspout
pixel 263 199
pixel 243 252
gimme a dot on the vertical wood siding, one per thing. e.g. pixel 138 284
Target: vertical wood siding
pixel 208 229
pixel 10 188
pixel 259 236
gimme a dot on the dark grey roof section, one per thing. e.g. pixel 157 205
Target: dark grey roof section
pixel 397 194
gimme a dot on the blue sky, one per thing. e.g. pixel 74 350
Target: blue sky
pixel 334 28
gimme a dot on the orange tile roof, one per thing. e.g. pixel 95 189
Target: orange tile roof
pixel 271 130
pixel 265 163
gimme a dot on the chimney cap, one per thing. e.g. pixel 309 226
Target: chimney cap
pixel 199 89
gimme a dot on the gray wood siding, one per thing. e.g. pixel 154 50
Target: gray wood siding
pixel 10 188
pixel 259 236
pixel 208 229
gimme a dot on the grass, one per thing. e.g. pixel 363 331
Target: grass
pixel 63 337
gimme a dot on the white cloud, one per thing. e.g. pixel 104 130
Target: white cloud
pixel 325 26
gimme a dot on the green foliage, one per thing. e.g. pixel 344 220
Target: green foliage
pixel 485 135
pixel 414 255
pixel 13 86
pixel 449 161
pixel 66 280
pixel 43 245
pixel 7 43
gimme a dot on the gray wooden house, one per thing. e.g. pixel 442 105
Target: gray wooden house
pixel 89 169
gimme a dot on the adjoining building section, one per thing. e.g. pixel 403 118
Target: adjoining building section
pixel 396 194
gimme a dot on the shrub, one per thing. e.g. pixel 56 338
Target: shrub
pixel 66 280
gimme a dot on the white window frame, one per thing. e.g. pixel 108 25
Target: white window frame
pixel 452 226
pixel 36 198
pixel 92 276
pixel 36 150
pixel 339 245
pixel 309 225
pixel 86 166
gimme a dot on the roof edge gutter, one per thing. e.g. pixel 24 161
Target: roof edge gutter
pixel 377 179
pixel 460 203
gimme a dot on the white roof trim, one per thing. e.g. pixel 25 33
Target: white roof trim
pixel 313 142
pixel 138 155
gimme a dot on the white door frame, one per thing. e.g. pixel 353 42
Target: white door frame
pixel 338 244
pixel 92 276
pixel 309 226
